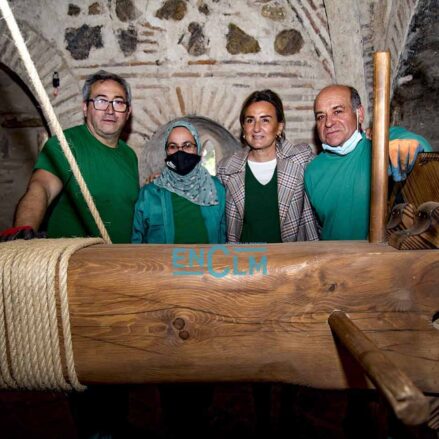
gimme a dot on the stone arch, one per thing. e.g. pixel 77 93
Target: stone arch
pixel 388 29
pixel 212 135
pixel 26 91
pixel 212 102
pixel 47 59
pixel 22 132
pixel 396 30
pixel 316 27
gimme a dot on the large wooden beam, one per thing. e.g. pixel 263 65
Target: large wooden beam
pixel 135 320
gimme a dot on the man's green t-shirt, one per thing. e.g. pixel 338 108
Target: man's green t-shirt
pixel 111 175
pixel 338 187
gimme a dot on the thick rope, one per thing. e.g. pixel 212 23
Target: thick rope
pixel 49 112
pixel 30 350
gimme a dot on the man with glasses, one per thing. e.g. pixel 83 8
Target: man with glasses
pixel 53 200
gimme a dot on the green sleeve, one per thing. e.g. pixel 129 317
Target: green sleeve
pixel 141 218
pixel 397 132
pixel 135 162
pixel 53 160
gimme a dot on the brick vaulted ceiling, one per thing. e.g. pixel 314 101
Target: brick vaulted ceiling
pixel 201 58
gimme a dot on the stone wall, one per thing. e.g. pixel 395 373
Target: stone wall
pixel 416 92
pixel 198 58
pixel 186 57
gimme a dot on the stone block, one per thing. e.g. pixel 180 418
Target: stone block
pixel 172 9
pixel 273 12
pixel 94 9
pixel 197 41
pixel 126 11
pixel 240 42
pixel 288 42
pixel 127 40
pixel 73 10
pixel 81 40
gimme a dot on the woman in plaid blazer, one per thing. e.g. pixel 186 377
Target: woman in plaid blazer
pixel 267 159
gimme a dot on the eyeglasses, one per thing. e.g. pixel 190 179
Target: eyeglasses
pixel 101 104
pixel 186 146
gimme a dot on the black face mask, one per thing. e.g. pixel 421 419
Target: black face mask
pixel 182 162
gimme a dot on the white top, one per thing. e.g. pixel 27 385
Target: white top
pixel 263 171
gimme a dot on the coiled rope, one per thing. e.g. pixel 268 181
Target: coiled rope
pixel 49 112
pixel 33 281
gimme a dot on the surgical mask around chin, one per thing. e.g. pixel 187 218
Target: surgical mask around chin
pixel 347 146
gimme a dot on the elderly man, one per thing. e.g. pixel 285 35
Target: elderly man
pixel 53 200
pixel 337 181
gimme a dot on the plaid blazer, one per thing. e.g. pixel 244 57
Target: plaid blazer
pixel 297 221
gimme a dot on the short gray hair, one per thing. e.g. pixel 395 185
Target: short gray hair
pixel 103 75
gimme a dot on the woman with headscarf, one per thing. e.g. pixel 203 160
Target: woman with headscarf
pixel 185 204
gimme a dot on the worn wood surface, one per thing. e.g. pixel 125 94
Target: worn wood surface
pixel 422 183
pixel 415 224
pixel 134 321
pixel 406 400
pixel 423 233
pixel 401 218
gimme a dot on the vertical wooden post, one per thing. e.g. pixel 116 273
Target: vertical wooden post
pixel 380 148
